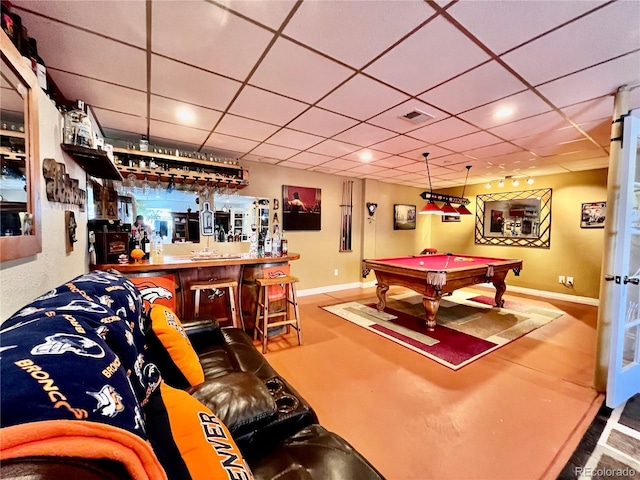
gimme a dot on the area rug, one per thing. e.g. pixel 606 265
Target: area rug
pixel 611 446
pixel 468 327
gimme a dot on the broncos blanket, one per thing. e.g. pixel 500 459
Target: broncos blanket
pixel 72 368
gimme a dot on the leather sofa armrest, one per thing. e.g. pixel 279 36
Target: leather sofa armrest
pixel 56 468
pixel 203 333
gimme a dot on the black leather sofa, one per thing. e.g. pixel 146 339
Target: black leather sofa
pixel 274 427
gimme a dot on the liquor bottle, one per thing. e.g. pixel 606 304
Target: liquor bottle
pixel 275 242
pixel 157 249
pixel 284 244
pixel 7 20
pixel 253 241
pixel 145 246
pixel 133 240
pixel 206 220
pixel 37 65
pixel 267 244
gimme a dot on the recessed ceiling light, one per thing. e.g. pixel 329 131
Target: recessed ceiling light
pixel 185 115
pixel 366 156
pixel 504 112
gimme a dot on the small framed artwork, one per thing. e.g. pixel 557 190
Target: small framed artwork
pixel 301 208
pixel 593 215
pixel 450 218
pixel 404 217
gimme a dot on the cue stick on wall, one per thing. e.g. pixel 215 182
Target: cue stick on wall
pixel 346 207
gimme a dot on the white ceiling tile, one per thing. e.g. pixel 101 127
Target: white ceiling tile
pixel 455 161
pixel 274 151
pixel 545 122
pixel 266 107
pixel 189 84
pixel 297 72
pixel 163 130
pixel 367 169
pixel 271 13
pixel 97 58
pixel 126 23
pixel 619 23
pixel 120 121
pixel 232 144
pixel 308 158
pixel 393 119
pixel 579 156
pixel 434 152
pixel 366 155
pixel 341 164
pixel 419 62
pixel 587 164
pixel 168 110
pixel 493 150
pixel 362 98
pixel 525 104
pixel 506 24
pixel 562 135
pixel 440 131
pixel 293 139
pixel 352 24
pixel 508 159
pixel 399 144
pixel 323 169
pixel 467 142
pixel 217 39
pixel 567 147
pixel 481 85
pixel 393 162
pixel 246 128
pixel 334 148
pixel 103 95
pixel 591 110
pixel 594 82
pixel 599 130
pixel 321 122
pixel 290 164
pixel 364 135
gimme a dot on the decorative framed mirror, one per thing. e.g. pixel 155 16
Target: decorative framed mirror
pixel 20 222
pixel 521 219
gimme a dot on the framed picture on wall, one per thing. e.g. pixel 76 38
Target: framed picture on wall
pixel 593 215
pixel 301 208
pixel 404 217
pixel 450 218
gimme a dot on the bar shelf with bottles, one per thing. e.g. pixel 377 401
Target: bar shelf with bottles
pixel 168 164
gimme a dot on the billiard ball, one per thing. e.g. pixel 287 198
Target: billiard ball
pixel 421 262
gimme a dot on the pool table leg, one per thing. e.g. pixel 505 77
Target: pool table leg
pixel 431 307
pixel 501 287
pixel 381 292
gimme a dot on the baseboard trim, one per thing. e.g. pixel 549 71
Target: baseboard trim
pixel 511 288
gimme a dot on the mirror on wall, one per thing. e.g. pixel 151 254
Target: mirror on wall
pixel 514 218
pixel 19 183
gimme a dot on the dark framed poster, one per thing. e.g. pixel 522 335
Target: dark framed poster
pixel 301 208
pixel 593 215
pixel 404 217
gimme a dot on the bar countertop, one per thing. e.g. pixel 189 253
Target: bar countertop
pixel 180 262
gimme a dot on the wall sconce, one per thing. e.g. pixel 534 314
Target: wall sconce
pixel 371 209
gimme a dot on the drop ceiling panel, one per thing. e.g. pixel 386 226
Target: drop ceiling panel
pixel 599 130
pixel 312 159
pixel 366 155
pixel 97 58
pixel 266 107
pixel 411 65
pixel 290 164
pixel 321 122
pixel 587 164
pixel 399 144
pixel 467 142
pixel 168 110
pixel 351 23
pixel 549 138
pixel 334 148
pixel 594 82
pixel 481 85
pixel 245 128
pixel 229 143
pixel 434 152
pixel 183 134
pixel 441 131
pixel 182 82
pixel 364 135
pixel 502 148
pixel 567 147
pixel 297 72
pixel 366 169
pixel 591 110
pixel 392 119
pixel 545 122
pixel 274 151
pixel 120 121
pixel 293 139
pixel 217 39
pixel 620 22
pixel 525 104
pixel 271 14
pixel 393 162
pixel 362 98
pixel 513 23
pixel 341 164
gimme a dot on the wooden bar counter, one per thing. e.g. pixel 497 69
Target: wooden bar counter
pixel 181 271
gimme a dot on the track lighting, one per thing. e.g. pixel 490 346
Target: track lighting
pixel 501 183
pixel 530 181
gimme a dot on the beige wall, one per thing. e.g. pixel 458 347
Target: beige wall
pixel 24 279
pixel 574 251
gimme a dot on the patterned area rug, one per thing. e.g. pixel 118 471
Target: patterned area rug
pixel 468 327
pixel 611 446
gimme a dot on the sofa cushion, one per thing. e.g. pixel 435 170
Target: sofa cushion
pixel 190 441
pixel 240 399
pixel 171 350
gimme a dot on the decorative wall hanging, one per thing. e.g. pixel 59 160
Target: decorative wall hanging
pixel 404 217
pixel 70 227
pixel 346 213
pixel 593 215
pixel 301 208
pixel 60 187
pixel 450 218
pixel 521 219
pixel 371 210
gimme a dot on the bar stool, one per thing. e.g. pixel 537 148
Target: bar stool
pixel 263 314
pixel 217 285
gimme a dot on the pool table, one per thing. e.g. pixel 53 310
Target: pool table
pixel 435 275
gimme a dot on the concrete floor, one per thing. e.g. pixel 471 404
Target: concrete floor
pixel 516 413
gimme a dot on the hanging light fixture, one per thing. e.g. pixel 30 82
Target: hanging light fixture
pixel 462 209
pixel 430 207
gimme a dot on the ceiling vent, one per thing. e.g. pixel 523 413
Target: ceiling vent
pixel 417 116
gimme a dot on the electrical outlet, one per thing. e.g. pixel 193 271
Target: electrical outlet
pixel 569 281
pixel 561 279
pixel 335 272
